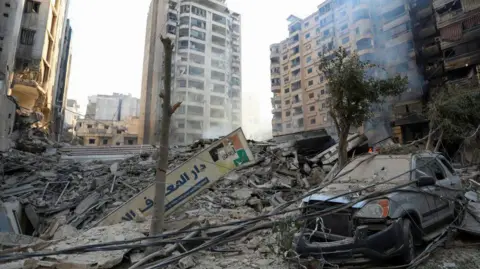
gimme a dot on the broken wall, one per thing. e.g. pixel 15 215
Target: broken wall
pixel 7 119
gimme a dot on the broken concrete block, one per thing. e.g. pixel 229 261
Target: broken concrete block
pixel 306 168
pixel 316 176
pixel 186 262
pixel 65 231
pixel 242 194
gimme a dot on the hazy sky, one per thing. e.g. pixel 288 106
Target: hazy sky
pixel 109 37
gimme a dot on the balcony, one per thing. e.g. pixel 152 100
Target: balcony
pixel 469 34
pixel 464 83
pixel 448 18
pixel 276 109
pixel 297 114
pixel 276 120
pixel 27 88
pixel 430 49
pixel 425 30
pixel 397 21
pixel 277 99
pixel 424 13
pixel 462 60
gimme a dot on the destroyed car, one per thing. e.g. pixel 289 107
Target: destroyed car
pixel 426 197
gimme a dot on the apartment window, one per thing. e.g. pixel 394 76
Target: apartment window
pixel 185 9
pixel 91 141
pixel 218 88
pixel 89 126
pixel 287 113
pixel 321 79
pixel 197 34
pixel 197 46
pixel 119 131
pixel 310 82
pixel 106 127
pixel 308 59
pixel 184 20
pixel 219 41
pixel 130 141
pixel 118 143
pixel 311 95
pixel 309 70
pixel 7 4
pixel 312 121
pixel 105 141
pixel 357 30
pixel 183 32
pixel 199 12
pixel 312 108
pixel 181 125
pixel 31 7
pixel 219 19
pixel 322 92
pixel 219 29
pixel 345 40
pixel 220 64
pixel 287 90
pixel 307 24
pixel 27 37
pixel 285 68
pixel 324 105
pixel 198 23
pixel 196 84
pixel 307 36
pixel 182 83
pixel 316 18
pixel 198 59
pixel 285 57
pixel 218 52
pixel 183 44
pixel 345 26
pixel 217 75
pixel 5 15
pixel 287 102
pixel 196 71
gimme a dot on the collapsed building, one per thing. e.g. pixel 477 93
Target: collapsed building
pixel 36 58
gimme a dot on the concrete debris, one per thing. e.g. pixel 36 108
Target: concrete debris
pixel 64 199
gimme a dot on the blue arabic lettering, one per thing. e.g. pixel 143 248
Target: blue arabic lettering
pixel 184 178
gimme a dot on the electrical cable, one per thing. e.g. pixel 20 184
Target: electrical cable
pixel 98 247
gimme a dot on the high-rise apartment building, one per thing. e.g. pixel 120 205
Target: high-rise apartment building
pixel 37 56
pixel 62 80
pixel 10 23
pixel 206 70
pixel 400 35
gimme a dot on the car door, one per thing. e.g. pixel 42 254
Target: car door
pixel 438 207
pixel 452 184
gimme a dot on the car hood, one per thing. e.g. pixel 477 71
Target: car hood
pixel 336 189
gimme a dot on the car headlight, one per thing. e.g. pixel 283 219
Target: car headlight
pixel 374 209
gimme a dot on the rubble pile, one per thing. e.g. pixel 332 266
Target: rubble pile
pixel 83 192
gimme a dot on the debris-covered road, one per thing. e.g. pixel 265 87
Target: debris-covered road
pixel 246 220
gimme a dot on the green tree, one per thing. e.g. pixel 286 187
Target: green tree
pixel 353 89
pixel 454 113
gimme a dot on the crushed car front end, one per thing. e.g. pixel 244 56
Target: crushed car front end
pixel 362 232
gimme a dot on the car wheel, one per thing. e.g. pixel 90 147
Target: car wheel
pixel 408 252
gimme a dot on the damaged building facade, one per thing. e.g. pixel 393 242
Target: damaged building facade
pixel 108 132
pixel 207 70
pixel 37 57
pixel 433 43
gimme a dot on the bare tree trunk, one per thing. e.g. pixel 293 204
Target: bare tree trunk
pixel 158 218
pixel 430 135
pixel 439 142
pixel 342 147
